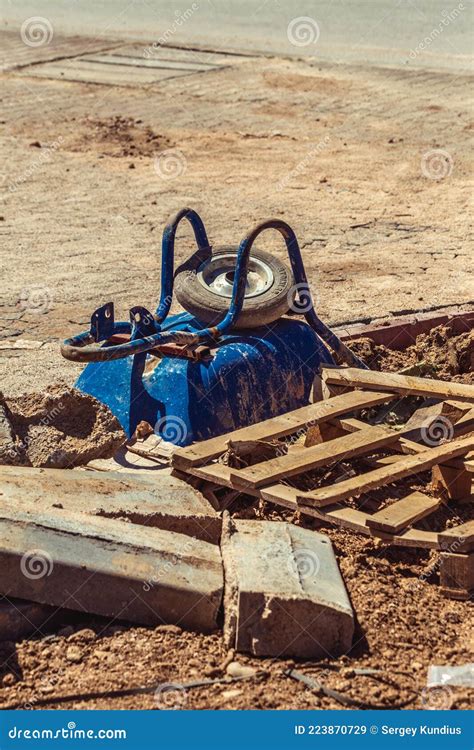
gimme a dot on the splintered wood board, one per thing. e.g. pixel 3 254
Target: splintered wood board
pixel 403 513
pixel 405 385
pixel 458 539
pixel 278 427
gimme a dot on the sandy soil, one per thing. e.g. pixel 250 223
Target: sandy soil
pixel 340 153
pixel 59 428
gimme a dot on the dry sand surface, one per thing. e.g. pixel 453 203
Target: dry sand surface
pixel 341 153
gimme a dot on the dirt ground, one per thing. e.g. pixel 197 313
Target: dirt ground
pixel 342 153
pixel 404 624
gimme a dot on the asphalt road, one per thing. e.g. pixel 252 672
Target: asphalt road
pixel 415 33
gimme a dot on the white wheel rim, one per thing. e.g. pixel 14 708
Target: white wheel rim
pixel 217 274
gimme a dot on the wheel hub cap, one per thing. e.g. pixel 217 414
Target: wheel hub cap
pixel 217 275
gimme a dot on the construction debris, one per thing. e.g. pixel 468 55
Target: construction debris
pixel 318 440
pixel 107 567
pixel 460 676
pixel 160 501
pixel 77 539
pixel 434 421
pixel 246 452
pixel 456 574
pixel 284 594
pixel 458 538
pixel 445 351
pixel 406 385
pixel 59 428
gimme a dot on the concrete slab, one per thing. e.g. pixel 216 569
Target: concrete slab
pixel 36 41
pixel 156 500
pixel 106 567
pixel 284 594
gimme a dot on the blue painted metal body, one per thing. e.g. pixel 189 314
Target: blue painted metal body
pixel 253 375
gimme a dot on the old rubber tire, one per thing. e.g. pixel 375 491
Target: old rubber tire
pixel 209 307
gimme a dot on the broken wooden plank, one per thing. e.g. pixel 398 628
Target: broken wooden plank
pixel 108 567
pixel 158 500
pixel 387 474
pixel 403 513
pixel 456 575
pixel 348 518
pixel 405 385
pixel 458 538
pixel 277 427
pixel 284 594
pixel 453 483
pixel 409 538
pixel 464 425
pixel 324 454
pixel 430 424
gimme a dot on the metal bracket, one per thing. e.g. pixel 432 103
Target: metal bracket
pixel 142 322
pixel 102 322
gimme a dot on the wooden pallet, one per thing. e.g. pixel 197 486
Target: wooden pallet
pixel 342 438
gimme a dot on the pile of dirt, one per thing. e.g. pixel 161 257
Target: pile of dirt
pixel 120 136
pixel 440 353
pixel 59 428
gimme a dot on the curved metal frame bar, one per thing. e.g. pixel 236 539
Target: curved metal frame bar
pixel 77 348
pixel 167 256
pixel 301 284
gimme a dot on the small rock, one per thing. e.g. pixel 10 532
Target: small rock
pixel 131 165
pixel 236 669
pixel 228 659
pixel 100 654
pixel 116 629
pixel 74 654
pixel 86 634
pixel 212 672
pixel 229 694
pixel 8 680
pixel 174 629
pixel 347 672
pixel 35 144
pixel 46 689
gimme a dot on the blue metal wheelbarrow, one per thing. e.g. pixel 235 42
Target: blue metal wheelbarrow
pixel 232 359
